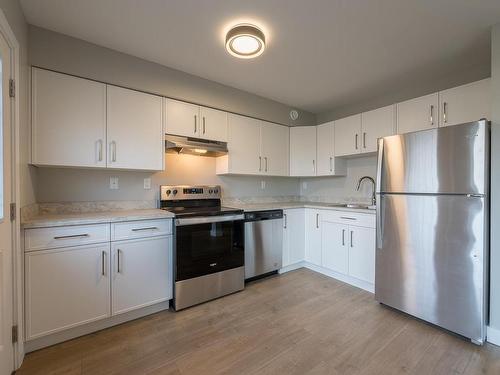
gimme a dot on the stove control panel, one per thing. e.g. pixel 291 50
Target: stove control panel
pixel 180 192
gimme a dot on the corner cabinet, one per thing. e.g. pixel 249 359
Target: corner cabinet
pixel 303 151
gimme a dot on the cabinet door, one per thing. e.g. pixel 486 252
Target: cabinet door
pixel 135 130
pixel 362 253
pixel 377 124
pixel 334 250
pixel 347 136
pixel 142 273
pixel 293 236
pixel 65 288
pixel 68 120
pixel 275 149
pixel 182 119
pixel 244 145
pixel 303 151
pixel 465 103
pixel 325 146
pixel 418 114
pixel 313 236
pixel 213 124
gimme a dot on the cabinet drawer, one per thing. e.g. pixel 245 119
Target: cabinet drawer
pixel 348 218
pixel 140 229
pixel 72 235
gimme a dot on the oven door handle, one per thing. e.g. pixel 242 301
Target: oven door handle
pixel 208 220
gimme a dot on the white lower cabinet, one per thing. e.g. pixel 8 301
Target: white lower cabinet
pixel 313 236
pixel 140 273
pixel 65 288
pixel 362 253
pixel 293 236
pixel 334 252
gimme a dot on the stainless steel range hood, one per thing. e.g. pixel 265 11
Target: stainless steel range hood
pixel 195 146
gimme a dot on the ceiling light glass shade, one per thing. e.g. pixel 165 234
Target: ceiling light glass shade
pixel 245 41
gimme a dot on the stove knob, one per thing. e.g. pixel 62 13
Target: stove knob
pixel 216 191
pixel 168 192
pixel 210 191
pixel 175 191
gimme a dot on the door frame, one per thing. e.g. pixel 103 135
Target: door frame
pixel 17 270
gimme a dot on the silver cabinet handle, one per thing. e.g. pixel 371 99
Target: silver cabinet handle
pixel 195 124
pixel 356 141
pixel 364 139
pixel 141 229
pixel 432 115
pixel 260 163
pixel 112 149
pixel 347 218
pixel 445 112
pixel 265 160
pixel 285 221
pixel 72 236
pixel 203 124
pixel 119 266
pixel 103 263
pixel 331 164
pixel 317 220
pixel 99 142
pixel 314 165
pixel 343 237
pixel 351 237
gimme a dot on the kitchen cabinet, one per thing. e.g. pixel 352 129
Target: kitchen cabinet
pixel 347 137
pixel 293 236
pixel 465 103
pixel 313 236
pixel 255 148
pixel 68 120
pixel 303 151
pixel 376 124
pixel 141 273
pixel 418 114
pixel 191 120
pixel 362 253
pixel 334 250
pixel 327 163
pixel 134 130
pixel 66 287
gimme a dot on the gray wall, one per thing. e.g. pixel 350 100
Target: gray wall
pixel 63 53
pixel 13 13
pixel 495 182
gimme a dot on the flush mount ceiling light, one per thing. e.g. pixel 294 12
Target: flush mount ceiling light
pixel 245 41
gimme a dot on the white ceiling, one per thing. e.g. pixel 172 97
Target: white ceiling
pixel 321 54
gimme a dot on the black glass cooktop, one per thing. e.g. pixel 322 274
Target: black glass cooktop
pixel 202 211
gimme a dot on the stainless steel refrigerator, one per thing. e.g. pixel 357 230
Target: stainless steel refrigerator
pixel 432 226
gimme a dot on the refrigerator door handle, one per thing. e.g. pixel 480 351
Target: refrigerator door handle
pixel 379 164
pixel 378 224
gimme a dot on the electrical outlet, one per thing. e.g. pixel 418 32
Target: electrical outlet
pixel 147 183
pixel 113 183
pixel 263 185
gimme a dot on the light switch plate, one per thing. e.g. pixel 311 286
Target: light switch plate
pixel 113 183
pixel 147 183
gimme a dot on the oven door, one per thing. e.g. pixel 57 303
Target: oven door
pixel 208 245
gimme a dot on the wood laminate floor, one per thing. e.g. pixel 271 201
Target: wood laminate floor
pixel 297 323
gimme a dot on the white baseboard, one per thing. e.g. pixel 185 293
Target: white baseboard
pixel 493 335
pixel 341 277
pixel 292 267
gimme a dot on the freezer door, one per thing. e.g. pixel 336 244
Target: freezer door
pixel 452 160
pixel 431 259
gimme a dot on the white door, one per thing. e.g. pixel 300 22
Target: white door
pixel 376 124
pixel 182 119
pixel 135 130
pixel 6 226
pixel 418 114
pixel 303 151
pixel 275 148
pixel 334 250
pixel 141 273
pixel 347 136
pixel 68 120
pixel 362 253
pixel 325 157
pixel 65 288
pixel 244 145
pixel 313 236
pixel 294 240
pixel 213 124
pixel 465 103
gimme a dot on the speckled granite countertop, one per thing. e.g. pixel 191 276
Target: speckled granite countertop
pixel 60 219
pixel 249 207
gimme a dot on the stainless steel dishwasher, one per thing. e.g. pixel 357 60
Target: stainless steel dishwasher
pixel 263 243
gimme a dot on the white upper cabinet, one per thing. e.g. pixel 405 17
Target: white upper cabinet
pixel 376 124
pixel 213 124
pixel 465 103
pixel 327 164
pixel 274 149
pixel 134 130
pixel 418 114
pixel 303 151
pixel 68 120
pixel 182 119
pixel 347 136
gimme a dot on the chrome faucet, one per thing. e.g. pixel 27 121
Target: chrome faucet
pixel 373 187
